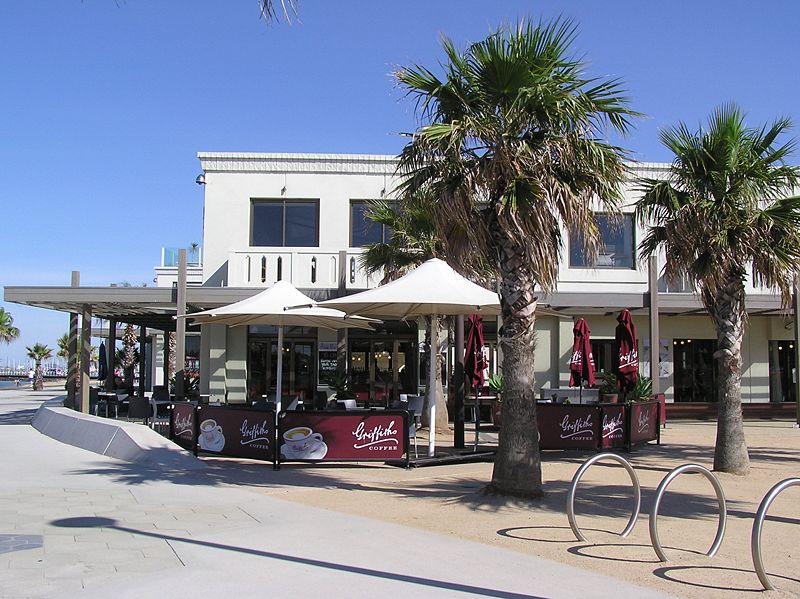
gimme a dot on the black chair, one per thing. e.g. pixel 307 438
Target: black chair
pixel 139 409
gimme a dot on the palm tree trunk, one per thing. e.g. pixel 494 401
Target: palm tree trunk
pixel 441 425
pixel 38 380
pixel 517 467
pixel 726 308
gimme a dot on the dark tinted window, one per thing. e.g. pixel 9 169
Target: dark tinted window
pixel 617 249
pixel 283 223
pixel 363 231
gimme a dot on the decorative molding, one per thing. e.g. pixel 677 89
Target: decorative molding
pixel 339 164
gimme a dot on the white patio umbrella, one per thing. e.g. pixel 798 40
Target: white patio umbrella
pixel 273 306
pixel 431 289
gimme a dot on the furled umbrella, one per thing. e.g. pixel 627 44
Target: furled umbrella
pixel 432 289
pixel 102 363
pixel 581 363
pixel 474 365
pixel 627 354
pixel 274 306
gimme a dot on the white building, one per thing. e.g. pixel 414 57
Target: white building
pixel 299 217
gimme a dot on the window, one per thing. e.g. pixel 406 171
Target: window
pixel 363 231
pixel 285 223
pixel 616 249
pixel 782 371
pixel 695 370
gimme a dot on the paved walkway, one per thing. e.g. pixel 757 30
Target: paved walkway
pixel 77 524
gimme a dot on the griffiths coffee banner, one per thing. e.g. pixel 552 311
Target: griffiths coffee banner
pixel 182 425
pixel 644 421
pixel 319 436
pixel 236 432
pixel 568 427
pixel 613 423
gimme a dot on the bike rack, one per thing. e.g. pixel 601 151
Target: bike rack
pixel 723 510
pixel 758 524
pixel 637 493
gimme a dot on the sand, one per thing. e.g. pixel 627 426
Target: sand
pixel 449 500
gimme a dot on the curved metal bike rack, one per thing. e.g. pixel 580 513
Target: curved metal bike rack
pixel 758 524
pixel 637 493
pixel 723 510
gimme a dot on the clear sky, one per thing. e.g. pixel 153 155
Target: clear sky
pixel 104 104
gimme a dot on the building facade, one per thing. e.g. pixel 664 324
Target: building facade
pixel 300 218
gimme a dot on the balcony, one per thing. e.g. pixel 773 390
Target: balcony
pixel 303 268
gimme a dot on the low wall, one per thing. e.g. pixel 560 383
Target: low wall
pixel 126 441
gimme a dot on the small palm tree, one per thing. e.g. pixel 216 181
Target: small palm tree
pixel 715 218
pixel 512 146
pixel 63 346
pixel 8 332
pixel 413 240
pixel 38 353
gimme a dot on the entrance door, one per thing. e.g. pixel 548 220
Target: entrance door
pixel 380 370
pixel 782 371
pixel 695 370
pixel 297 376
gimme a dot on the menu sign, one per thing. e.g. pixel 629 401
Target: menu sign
pixel 327 361
pixel 235 432
pixel 644 421
pixel 182 425
pixel 568 427
pixel 613 423
pixel 365 436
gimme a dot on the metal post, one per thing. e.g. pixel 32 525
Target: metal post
pixel 655 344
pixel 758 524
pixel 432 386
pixel 459 382
pixel 797 347
pixel 72 357
pixel 166 360
pixel 180 327
pixel 86 355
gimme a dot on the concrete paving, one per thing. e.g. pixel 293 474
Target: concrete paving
pixel 78 524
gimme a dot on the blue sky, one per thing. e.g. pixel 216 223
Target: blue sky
pixel 105 104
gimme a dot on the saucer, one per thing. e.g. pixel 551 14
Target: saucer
pixel 216 444
pixel 316 451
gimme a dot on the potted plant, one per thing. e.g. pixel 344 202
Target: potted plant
pixel 607 387
pixel 642 390
pixel 497 386
pixel 340 383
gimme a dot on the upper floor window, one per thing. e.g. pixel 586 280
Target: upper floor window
pixel 284 223
pixel 364 231
pixel 616 248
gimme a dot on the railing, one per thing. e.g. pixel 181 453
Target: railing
pixel 305 269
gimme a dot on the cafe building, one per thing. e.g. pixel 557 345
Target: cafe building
pixel 301 218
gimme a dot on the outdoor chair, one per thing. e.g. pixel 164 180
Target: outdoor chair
pixel 139 408
pixel 415 406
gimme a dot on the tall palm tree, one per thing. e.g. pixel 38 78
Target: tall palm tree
pixel 715 217
pixel 8 332
pixel 413 240
pixel 270 13
pixel 38 353
pixel 510 148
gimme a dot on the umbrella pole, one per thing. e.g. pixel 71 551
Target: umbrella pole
pixel 279 374
pixel 432 387
pixel 477 418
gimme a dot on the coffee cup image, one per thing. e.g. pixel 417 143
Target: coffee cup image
pixel 211 435
pixel 301 439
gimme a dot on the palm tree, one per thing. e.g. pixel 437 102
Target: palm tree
pixel 130 355
pixel 715 218
pixel 269 10
pixel 413 240
pixel 63 346
pixel 8 332
pixel 510 148
pixel 38 353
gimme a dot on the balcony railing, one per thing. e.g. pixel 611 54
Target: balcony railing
pixel 169 256
pixel 305 269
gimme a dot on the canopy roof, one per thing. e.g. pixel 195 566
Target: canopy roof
pixel 431 288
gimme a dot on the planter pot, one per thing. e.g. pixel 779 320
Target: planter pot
pixel 497 413
pixel 610 398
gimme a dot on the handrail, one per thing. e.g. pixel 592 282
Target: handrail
pixel 723 510
pixel 758 524
pixel 637 493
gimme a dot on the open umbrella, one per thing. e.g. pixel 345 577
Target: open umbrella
pixel 626 351
pixel 474 365
pixel 581 363
pixel 273 307
pixel 432 289
pixel 102 363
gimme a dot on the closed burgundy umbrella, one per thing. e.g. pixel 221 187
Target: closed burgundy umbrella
pixel 474 365
pixel 581 364
pixel 627 353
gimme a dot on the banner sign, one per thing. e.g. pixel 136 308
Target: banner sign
pixel 644 422
pixel 236 432
pixel 568 426
pixel 182 425
pixel 613 425
pixel 352 435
